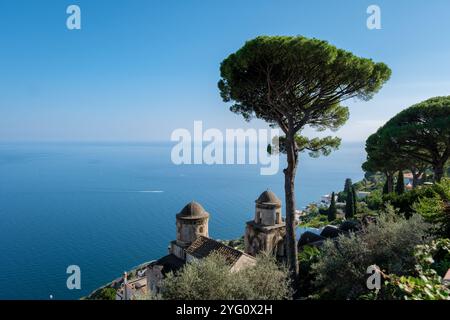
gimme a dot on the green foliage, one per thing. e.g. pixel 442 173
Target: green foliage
pixel 420 132
pixel 416 138
pixel 363 209
pixel 306 258
pixel 432 210
pixel 443 189
pixel 315 147
pixel 237 244
pixel 424 287
pixel 332 211
pixel 389 243
pixel 371 182
pixel 211 279
pixel 131 275
pixel 374 200
pixel 342 196
pixel 348 185
pixel 426 284
pixel 107 293
pixel 315 221
pixel 425 199
pixel 274 77
pixel 341 269
pixel 350 204
pixel 435 208
pixel 381 158
pixel 256 285
pixel 404 202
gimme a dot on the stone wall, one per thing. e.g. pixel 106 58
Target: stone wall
pixel 259 239
pixel 189 230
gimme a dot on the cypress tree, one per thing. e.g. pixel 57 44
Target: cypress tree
pixel 342 196
pixel 386 187
pixel 348 185
pixel 349 205
pixel 332 209
pixel 355 200
pixel 400 186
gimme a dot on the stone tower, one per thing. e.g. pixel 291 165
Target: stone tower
pixel 266 232
pixel 192 222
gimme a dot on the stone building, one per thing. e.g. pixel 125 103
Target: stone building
pixel 266 232
pixel 192 222
pixel 131 289
pixel 192 242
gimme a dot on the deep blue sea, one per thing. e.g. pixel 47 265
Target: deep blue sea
pixel 108 207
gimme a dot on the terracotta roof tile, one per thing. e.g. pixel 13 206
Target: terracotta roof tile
pixel 203 247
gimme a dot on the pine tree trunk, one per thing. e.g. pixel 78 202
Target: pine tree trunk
pixel 289 173
pixel 390 182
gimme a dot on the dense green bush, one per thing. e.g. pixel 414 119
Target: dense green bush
pixel 426 284
pixel 306 258
pixel 374 200
pixel 404 202
pixel 436 209
pixel 107 293
pixel 332 211
pixel 388 243
pixel 211 279
pixel 316 222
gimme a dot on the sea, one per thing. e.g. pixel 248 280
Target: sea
pixel 108 207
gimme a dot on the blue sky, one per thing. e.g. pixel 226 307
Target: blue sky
pixel 137 70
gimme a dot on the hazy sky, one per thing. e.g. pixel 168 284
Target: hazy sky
pixel 137 70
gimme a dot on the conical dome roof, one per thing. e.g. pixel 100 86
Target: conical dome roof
pixel 268 197
pixel 193 210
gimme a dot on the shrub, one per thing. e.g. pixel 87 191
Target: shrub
pixel 436 212
pixel 350 204
pixel 211 279
pixel 306 258
pixel 374 200
pixel 404 202
pixel 388 243
pixel 392 240
pixel 265 281
pixel 341 270
pixel 436 209
pixel 426 284
pixel 105 294
pixel 316 221
pixel 332 211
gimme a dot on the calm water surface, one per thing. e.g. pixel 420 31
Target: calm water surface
pixel 109 207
